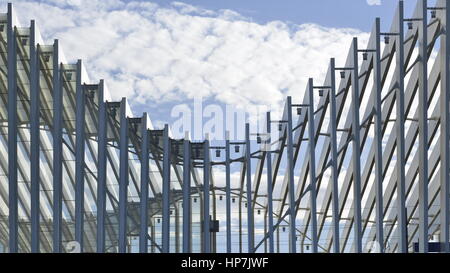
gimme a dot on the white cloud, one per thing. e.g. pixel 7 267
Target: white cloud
pixel 374 2
pixel 154 54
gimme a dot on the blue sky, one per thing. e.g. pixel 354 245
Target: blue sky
pixel 245 53
pixel 161 55
pixel 330 13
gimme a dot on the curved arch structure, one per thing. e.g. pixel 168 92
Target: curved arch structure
pixel 363 167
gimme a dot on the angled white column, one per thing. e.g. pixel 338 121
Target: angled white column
pixel 445 132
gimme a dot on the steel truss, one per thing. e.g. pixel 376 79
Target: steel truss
pixel 360 164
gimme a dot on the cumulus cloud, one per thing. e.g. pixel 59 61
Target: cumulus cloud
pixel 154 54
pixel 374 2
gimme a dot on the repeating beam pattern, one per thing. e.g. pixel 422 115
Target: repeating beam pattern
pixel 362 167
